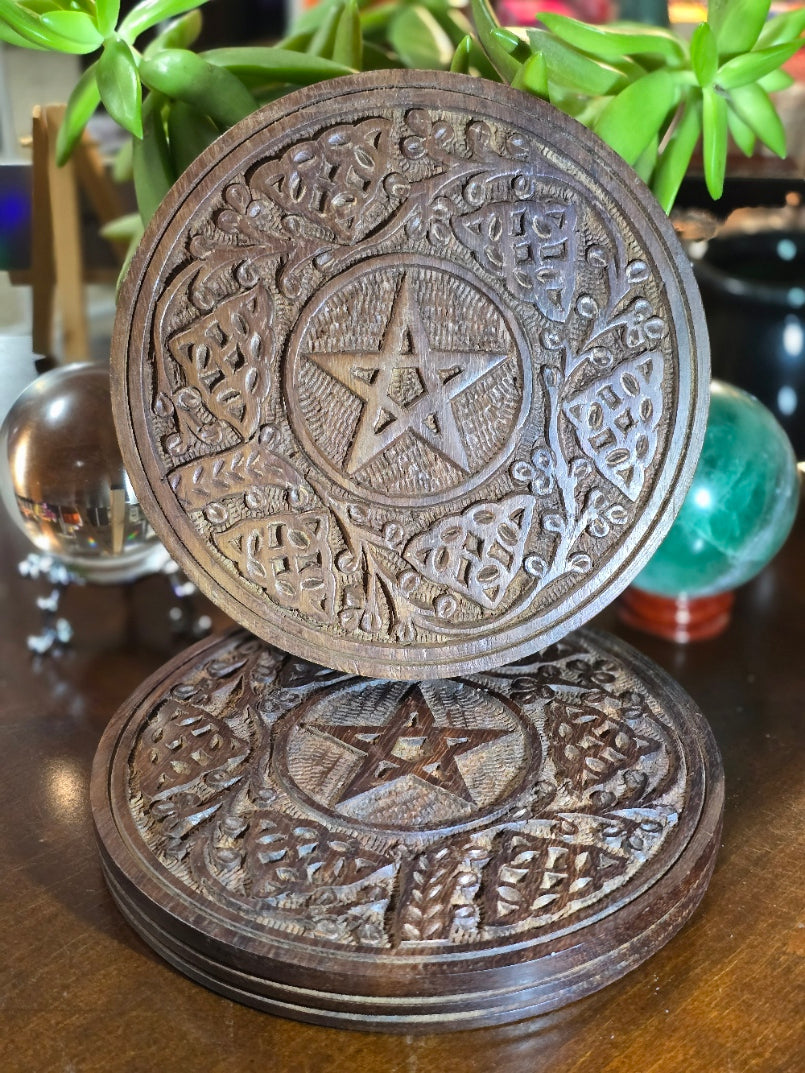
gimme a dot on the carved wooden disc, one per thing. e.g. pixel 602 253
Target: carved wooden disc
pixel 400 856
pixel 410 374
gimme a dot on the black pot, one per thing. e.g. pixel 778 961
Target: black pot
pixel 753 289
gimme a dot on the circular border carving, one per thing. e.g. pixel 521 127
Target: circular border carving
pixel 590 867
pixel 437 641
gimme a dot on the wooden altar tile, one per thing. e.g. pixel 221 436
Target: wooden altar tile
pixel 410 374
pixel 407 857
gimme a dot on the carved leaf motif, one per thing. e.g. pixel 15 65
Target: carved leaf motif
pixel 589 744
pixel 334 179
pixel 530 874
pixel 287 555
pixel 530 245
pixel 477 553
pixel 425 902
pixel 186 759
pixel 282 855
pixel 224 356
pixel 240 469
pixel 616 419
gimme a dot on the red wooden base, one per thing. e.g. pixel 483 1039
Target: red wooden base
pixel 676 618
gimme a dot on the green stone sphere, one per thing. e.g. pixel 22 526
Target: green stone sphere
pixel 739 508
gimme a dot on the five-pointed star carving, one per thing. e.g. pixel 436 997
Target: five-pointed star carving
pixel 411 743
pixel 372 375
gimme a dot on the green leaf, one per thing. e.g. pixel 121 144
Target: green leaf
pixel 81 106
pixel 737 23
pixel 646 162
pixel 573 69
pixel 753 66
pixel 376 58
pixel 36 32
pixel 469 57
pixel 75 26
pixel 11 37
pixel 149 12
pixel 419 40
pixel 742 135
pixel 348 40
pixel 179 33
pixel 777 81
pixel 714 140
pixel 704 54
pixel 783 28
pixel 753 106
pixel 675 156
pixel 631 119
pixel 533 77
pixel 189 134
pixel 152 165
pixel 611 43
pixel 185 76
pixel 108 12
pixel 263 65
pixel 119 85
pixel 122 162
pixel 123 228
pixel 497 43
pixel 321 43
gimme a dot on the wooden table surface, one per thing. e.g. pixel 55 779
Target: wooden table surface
pixel 80 993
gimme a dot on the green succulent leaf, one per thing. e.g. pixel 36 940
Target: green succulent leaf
pixel 107 14
pixel 777 81
pixel 33 29
pixel 610 43
pixel 260 66
pixel 81 105
pixel 646 162
pixel 533 77
pixel 419 40
pixel 714 140
pixel 753 66
pixel 753 106
pixel 742 135
pixel 675 156
pixel 782 28
pixel 179 33
pixel 119 85
pixel 348 40
pixel 469 57
pixel 11 37
pixel 323 39
pixel 153 168
pixel 737 23
pixel 704 54
pixel 631 119
pixel 149 12
pixel 497 43
pixel 74 26
pixel 569 67
pixel 185 76
pixel 189 134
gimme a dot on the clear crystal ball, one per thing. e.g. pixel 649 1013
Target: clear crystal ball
pixel 63 482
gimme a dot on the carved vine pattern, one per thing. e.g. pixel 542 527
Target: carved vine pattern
pixel 302 216
pixel 207 801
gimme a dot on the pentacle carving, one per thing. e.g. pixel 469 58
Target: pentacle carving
pixel 406 831
pixel 424 754
pixel 409 374
pixel 420 367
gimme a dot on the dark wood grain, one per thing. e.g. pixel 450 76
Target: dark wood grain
pixel 409 374
pixel 407 857
pixel 81 992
